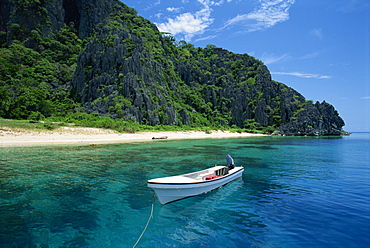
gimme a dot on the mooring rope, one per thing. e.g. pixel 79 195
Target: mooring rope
pixel 146 226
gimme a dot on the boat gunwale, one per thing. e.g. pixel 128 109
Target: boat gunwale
pixel 206 181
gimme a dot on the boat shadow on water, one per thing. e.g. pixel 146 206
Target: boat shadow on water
pixel 195 219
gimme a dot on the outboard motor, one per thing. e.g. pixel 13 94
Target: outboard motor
pixel 230 161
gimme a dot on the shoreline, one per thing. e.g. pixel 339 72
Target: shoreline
pixel 77 135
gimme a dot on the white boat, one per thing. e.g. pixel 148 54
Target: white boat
pixel 169 189
pixel 161 137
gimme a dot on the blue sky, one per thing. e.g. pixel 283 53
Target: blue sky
pixel 318 47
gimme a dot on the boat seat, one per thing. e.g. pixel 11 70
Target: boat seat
pixel 210 177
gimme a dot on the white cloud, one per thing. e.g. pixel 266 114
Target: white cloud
pixel 303 75
pixel 188 23
pixel 153 5
pixel 353 6
pixel 365 97
pixel 206 38
pixel 310 55
pixel 317 33
pixel 272 58
pixel 270 13
pixel 173 9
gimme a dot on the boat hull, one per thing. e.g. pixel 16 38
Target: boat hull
pixel 169 192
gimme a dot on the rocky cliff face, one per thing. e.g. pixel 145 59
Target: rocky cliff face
pixel 122 79
pixel 128 69
pixel 51 15
pixel 313 119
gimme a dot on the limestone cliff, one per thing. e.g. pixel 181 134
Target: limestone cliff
pixel 128 69
pixel 314 119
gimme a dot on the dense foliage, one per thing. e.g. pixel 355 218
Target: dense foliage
pixel 35 82
pixel 124 72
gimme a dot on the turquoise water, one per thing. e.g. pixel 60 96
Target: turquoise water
pixel 295 192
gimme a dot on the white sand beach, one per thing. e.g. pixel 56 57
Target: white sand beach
pixel 71 135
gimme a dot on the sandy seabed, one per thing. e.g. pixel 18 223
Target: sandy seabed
pixel 71 135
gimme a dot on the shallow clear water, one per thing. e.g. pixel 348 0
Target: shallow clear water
pixel 295 192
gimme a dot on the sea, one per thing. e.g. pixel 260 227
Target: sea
pixel 294 192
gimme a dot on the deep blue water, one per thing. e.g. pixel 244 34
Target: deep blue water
pixel 295 192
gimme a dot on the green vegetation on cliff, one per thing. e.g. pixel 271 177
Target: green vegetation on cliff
pixel 101 60
pixel 37 80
